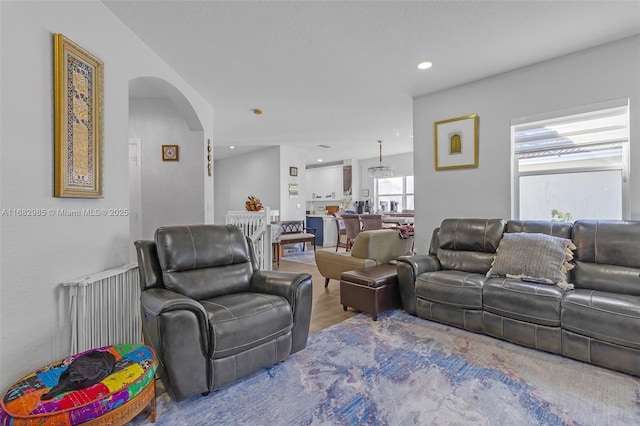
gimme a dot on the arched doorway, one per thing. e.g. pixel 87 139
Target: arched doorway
pixel 164 190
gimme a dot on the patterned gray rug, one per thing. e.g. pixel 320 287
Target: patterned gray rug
pixel 307 257
pixel 404 370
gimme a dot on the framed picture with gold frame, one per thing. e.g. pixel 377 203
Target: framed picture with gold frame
pixel 456 142
pixel 170 153
pixel 78 118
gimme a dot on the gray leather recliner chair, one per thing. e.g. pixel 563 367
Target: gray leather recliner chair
pixel 211 316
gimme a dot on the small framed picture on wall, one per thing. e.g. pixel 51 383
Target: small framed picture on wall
pixel 293 171
pixel 170 153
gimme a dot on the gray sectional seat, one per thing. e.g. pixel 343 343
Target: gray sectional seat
pixel 597 321
pixel 601 317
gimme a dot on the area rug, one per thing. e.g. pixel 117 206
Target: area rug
pixel 403 370
pixel 307 257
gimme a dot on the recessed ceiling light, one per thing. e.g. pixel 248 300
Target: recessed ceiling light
pixel 232 147
pixel 424 65
pixel 320 160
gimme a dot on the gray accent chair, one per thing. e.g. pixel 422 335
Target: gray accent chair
pixel 210 315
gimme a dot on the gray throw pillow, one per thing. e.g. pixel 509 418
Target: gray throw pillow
pixel 533 257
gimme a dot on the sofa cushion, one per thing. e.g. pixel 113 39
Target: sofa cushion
pixel 557 229
pixel 612 278
pixel 471 234
pixel 609 317
pixel 614 242
pixel 204 261
pixel 525 301
pixel 241 321
pixel 189 247
pixel 453 288
pixel 469 244
pixel 607 256
pixel 533 257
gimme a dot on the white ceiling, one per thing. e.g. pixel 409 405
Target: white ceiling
pixel 343 73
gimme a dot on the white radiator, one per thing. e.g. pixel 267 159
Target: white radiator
pixel 105 309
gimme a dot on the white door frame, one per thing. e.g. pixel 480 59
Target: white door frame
pixel 135 196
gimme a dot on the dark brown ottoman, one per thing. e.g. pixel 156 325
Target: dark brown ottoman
pixel 371 290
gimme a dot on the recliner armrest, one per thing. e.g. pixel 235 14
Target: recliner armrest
pixel 156 301
pixel 297 289
pixel 283 284
pixel 177 328
pixel 421 263
pixel 409 267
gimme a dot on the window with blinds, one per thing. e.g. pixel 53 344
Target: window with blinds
pixel 572 165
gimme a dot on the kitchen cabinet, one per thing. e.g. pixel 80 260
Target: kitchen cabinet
pixel 324 183
pixel 326 229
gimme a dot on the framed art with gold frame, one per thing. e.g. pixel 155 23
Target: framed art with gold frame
pixel 78 116
pixel 456 142
pixel 170 153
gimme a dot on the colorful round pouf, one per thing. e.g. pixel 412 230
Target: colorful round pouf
pixel 116 399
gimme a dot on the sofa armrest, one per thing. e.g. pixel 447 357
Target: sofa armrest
pixel 297 289
pixel 409 267
pixel 331 264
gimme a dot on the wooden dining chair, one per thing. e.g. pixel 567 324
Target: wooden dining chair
pixel 352 226
pixel 342 240
pixel 371 221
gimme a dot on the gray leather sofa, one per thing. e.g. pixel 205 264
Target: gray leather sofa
pixel 211 316
pixel 598 321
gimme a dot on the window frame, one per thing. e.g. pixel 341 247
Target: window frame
pixel 377 195
pixel 624 167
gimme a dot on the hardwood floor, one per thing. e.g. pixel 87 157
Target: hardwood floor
pixel 326 309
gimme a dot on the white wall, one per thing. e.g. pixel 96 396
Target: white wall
pixel 172 191
pixel 604 73
pixel 255 173
pixel 292 208
pixel 38 253
pixel 265 174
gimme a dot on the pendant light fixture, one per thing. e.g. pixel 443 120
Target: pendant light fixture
pixel 380 171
